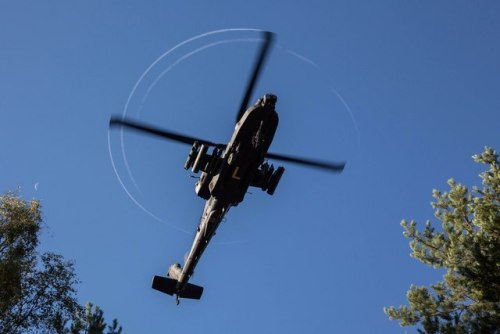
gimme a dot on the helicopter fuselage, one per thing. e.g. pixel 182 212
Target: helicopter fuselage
pixel 245 152
pixel 227 173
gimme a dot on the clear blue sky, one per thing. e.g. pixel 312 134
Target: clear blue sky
pixel 325 254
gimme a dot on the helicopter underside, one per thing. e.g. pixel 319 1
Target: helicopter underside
pixel 227 174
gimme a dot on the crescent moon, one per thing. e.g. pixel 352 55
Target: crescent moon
pixel 36 186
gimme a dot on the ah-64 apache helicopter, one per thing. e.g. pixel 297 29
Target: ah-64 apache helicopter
pixel 227 171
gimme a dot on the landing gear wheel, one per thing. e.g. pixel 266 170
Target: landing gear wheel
pixel 177 301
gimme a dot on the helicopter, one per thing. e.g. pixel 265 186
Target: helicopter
pixel 227 171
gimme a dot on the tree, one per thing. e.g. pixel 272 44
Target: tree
pixel 37 292
pixel 468 248
pixel 92 322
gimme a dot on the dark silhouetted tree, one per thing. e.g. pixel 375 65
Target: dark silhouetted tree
pixel 37 292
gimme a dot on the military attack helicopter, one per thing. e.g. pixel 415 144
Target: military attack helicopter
pixel 227 171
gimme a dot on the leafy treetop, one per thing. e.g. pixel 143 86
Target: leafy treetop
pixel 468 248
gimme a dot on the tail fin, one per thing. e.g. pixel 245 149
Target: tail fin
pixel 169 286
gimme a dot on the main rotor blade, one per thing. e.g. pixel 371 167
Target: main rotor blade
pixel 146 128
pixel 330 166
pixel 268 39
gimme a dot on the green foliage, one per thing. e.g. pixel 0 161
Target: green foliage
pixel 37 292
pixel 19 226
pixel 92 322
pixel 468 248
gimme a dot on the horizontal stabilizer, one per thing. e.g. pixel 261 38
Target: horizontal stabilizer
pixel 169 286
